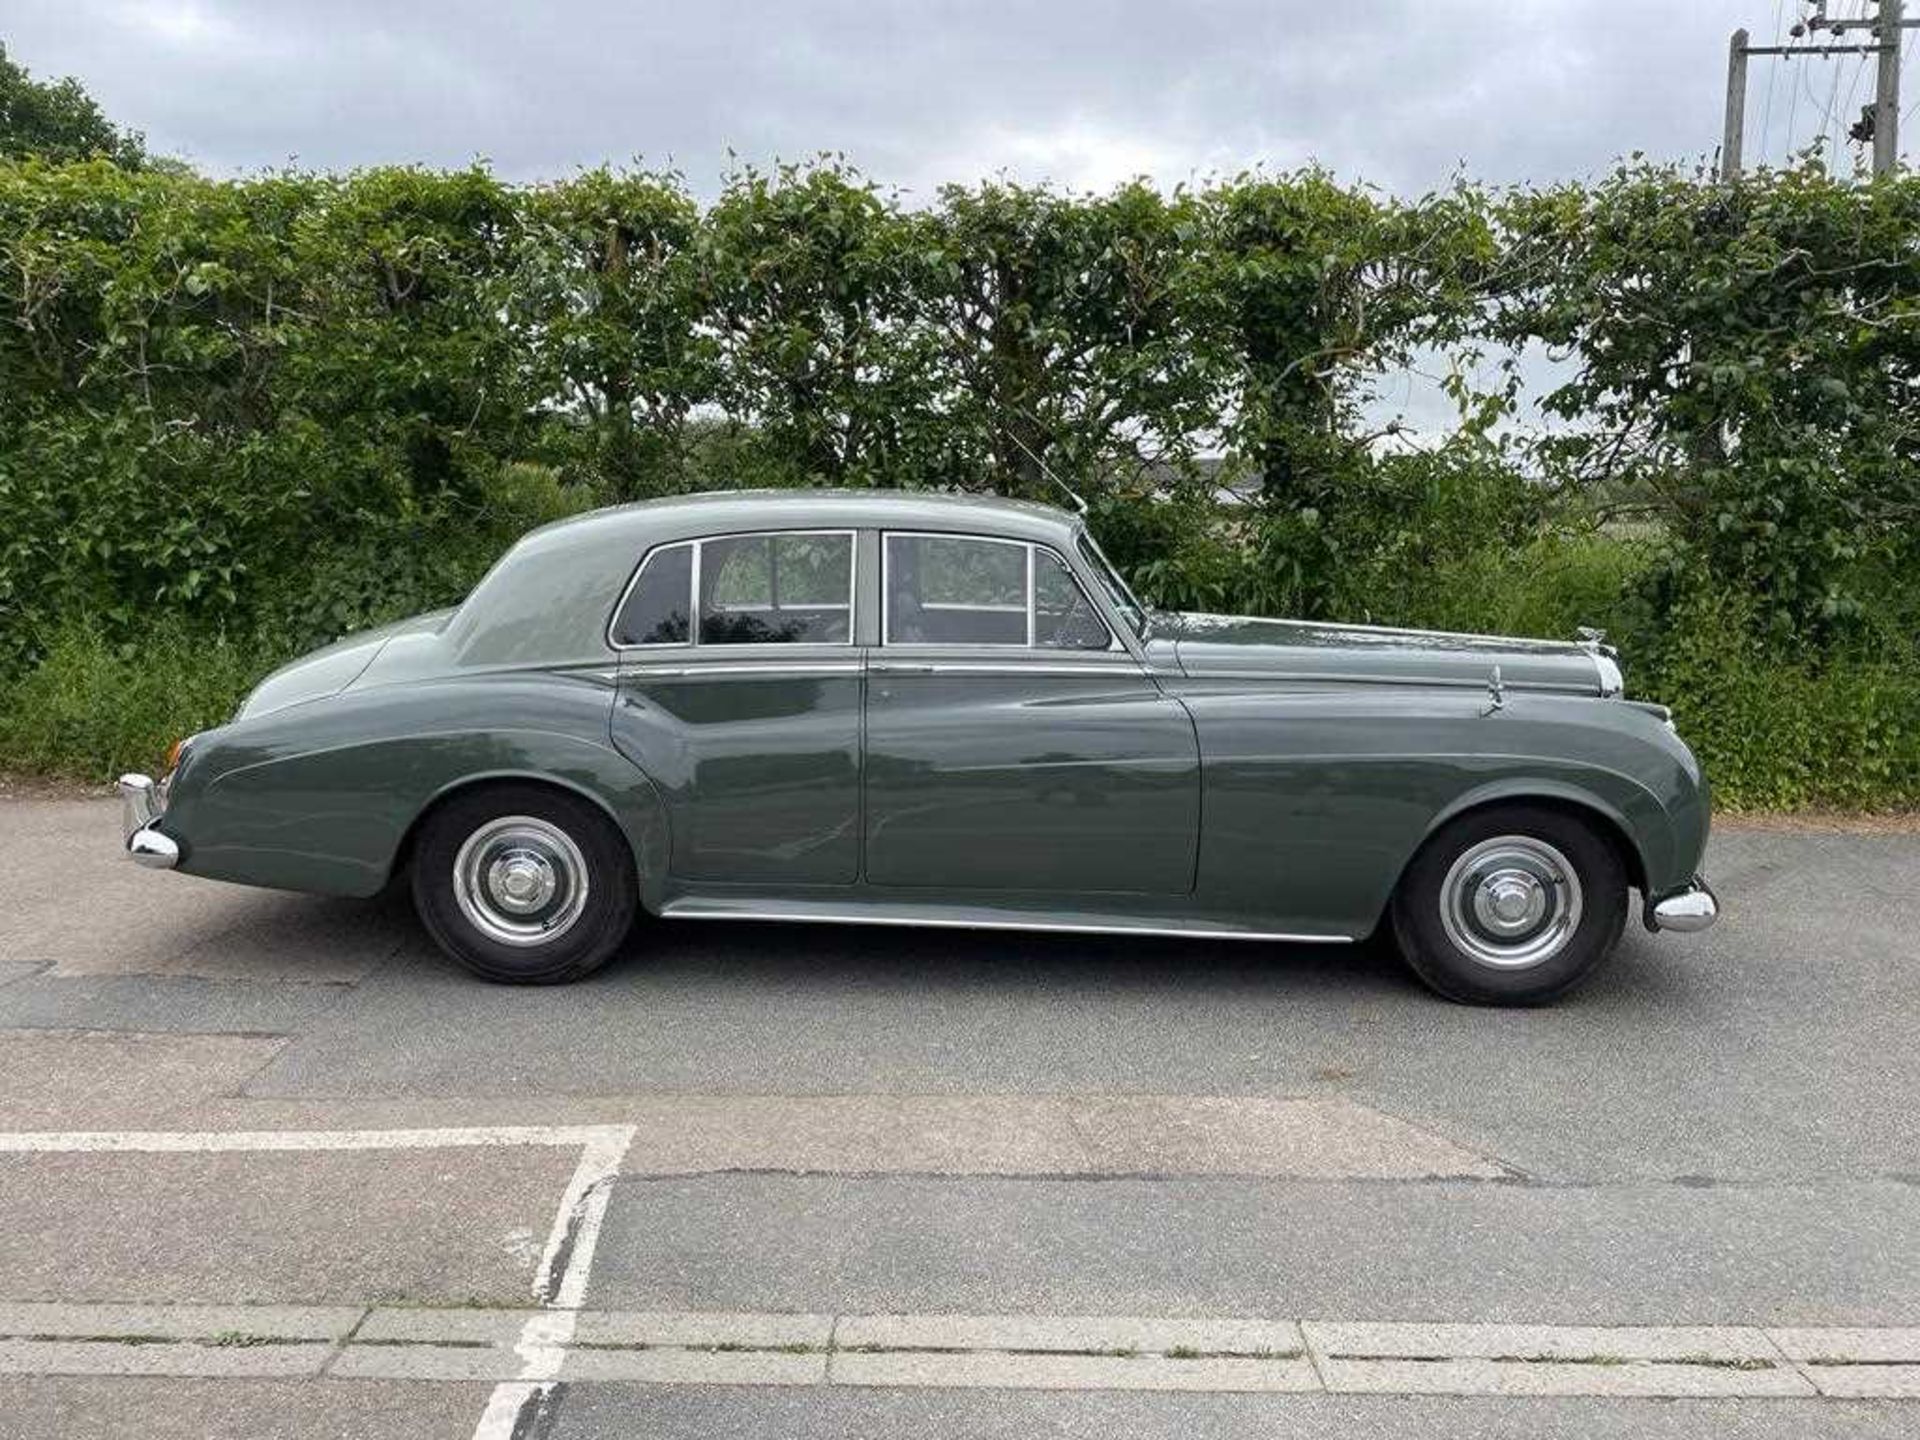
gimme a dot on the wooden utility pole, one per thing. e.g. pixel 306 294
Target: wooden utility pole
pixel 1734 136
pixel 1886 90
pixel 1887 30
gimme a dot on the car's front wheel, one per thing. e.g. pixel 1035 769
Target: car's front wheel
pixel 1513 905
pixel 523 884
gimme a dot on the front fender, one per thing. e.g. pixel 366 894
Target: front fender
pixel 1314 801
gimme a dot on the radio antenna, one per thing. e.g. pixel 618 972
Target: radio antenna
pixel 1079 504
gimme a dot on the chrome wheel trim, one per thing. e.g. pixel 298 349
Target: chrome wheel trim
pixel 520 880
pixel 1511 902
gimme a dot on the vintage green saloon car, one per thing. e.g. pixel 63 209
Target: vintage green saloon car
pixel 937 710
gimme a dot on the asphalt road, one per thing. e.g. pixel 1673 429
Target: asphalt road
pixel 857 1123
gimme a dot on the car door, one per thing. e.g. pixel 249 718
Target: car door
pixel 1013 743
pixel 739 696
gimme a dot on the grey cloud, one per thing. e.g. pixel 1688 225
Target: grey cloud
pixel 1398 92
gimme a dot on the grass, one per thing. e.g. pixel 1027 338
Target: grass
pixel 92 709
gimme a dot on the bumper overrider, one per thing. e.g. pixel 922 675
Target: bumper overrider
pixel 142 803
pixel 1692 907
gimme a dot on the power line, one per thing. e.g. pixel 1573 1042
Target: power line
pixel 1827 35
pixel 1773 73
pixel 1860 68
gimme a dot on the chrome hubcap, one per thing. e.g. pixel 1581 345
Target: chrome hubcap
pixel 520 880
pixel 1511 902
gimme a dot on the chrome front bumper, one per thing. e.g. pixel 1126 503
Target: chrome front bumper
pixel 142 802
pixel 1693 908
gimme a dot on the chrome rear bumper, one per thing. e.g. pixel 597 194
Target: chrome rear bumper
pixel 141 804
pixel 1693 908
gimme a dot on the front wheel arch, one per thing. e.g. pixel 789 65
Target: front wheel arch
pixel 1576 804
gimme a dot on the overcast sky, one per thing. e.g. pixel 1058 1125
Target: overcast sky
pixel 1398 92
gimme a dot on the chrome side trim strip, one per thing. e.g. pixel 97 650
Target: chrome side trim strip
pixel 690 910
pixel 1348 678
pixel 1559 645
pixel 799 669
pixel 961 667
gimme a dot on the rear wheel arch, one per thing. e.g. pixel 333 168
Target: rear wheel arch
pixel 637 844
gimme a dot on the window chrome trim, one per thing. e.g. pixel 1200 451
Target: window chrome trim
pixel 1033 549
pixel 699 544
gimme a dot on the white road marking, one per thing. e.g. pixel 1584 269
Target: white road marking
pixel 561 1283
pixel 212 1141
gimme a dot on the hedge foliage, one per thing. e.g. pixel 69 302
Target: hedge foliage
pixel 240 417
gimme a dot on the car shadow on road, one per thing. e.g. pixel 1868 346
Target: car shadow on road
pixel 757 952
pixel 875 960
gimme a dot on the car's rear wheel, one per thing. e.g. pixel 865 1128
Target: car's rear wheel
pixel 523 884
pixel 1513 905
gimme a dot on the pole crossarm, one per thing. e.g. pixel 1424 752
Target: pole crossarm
pixel 1815 49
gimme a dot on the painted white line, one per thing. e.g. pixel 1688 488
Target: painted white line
pixel 560 1284
pixel 149 1142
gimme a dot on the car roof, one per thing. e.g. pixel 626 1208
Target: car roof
pixel 548 598
pixel 651 522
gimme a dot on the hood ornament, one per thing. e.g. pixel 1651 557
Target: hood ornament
pixel 1496 693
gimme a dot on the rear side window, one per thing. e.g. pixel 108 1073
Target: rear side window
pixel 791 588
pixel 657 610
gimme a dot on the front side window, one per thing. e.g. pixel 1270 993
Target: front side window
pixel 950 590
pixel 1123 599
pixel 962 590
pixel 1063 617
pixel 792 588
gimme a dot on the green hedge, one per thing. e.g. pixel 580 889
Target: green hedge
pixel 238 418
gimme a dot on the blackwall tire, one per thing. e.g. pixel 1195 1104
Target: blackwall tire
pixel 524 884
pixel 1512 905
